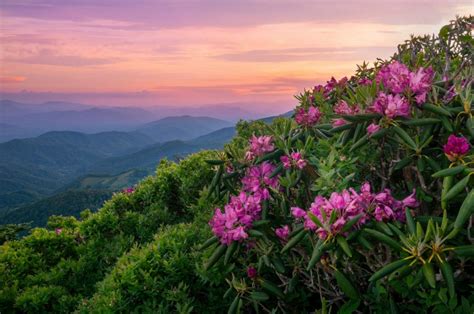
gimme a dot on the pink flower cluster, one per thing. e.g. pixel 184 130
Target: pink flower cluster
pixel 233 224
pixel 391 106
pixel 348 204
pixel 397 78
pixel 307 117
pixel 257 180
pixel 129 190
pixel 238 216
pixel 259 146
pixel 373 128
pixel 456 147
pixel 343 108
pixel 283 232
pixel 293 160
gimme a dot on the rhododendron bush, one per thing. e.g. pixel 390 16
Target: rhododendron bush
pixel 363 200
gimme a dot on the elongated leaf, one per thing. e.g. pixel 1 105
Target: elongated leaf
pixel 447 272
pixel 465 250
pixel 466 210
pixel 259 296
pixel 421 122
pixel 383 238
pixel 360 117
pixel 405 137
pixel 410 221
pixel 255 233
pixel 272 288
pixel 233 306
pixel 315 220
pixel 277 171
pixel 278 264
pixel 437 109
pixel 448 172
pixel 214 161
pixel 294 241
pixel 456 189
pixel 447 183
pixel 429 274
pixel 342 128
pixel 317 253
pixel 388 269
pixel 379 133
pixel 361 142
pixel 209 242
pixel 344 245
pixel 349 307
pixel 215 256
pixel 230 251
pixel 275 155
pixel 348 225
pixel 403 163
pixel 345 285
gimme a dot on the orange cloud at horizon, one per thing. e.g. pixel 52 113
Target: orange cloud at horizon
pixel 192 64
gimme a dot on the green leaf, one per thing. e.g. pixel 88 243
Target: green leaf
pixel 348 225
pixel 344 245
pixel 361 142
pixel 345 285
pixel 342 128
pixel 214 162
pixel 456 189
pixel 388 269
pixel 447 272
pixel 420 122
pixel 233 306
pixel 317 253
pixel 448 172
pixel 215 256
pixel 255 233
pixel 379 133
pixel 465 250
pixel 405 137
pixel 209 242
pixel 436 109
pixel 230 251
pixel 272 288
pixel 383 238
pixel 275 155
pixel 403 163
pixel 277 171
pixel 447 183
pixel 360 117
pixel 315 220
pixel 429 274
pixel 294 241
pixel 349 307
pixel 466 210
pixel 410 221
pixel 259 296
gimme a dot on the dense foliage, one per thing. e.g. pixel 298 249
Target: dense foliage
pixel 361 202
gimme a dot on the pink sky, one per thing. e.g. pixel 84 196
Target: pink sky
pixel 144 52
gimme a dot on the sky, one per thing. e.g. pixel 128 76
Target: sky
pixel 257 53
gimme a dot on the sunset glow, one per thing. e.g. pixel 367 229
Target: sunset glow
pixel 155 53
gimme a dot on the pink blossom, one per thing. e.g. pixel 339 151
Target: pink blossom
pixel 251 272
pixel 338 122
pixel 58 231
pixel 391 106
pixel 372 128
pixel 420 83
pixel 238 216
pixel 456 147
pixel 307 118
pixel 348 204
pixel 129 190
pixel 395 77
pixel 343 107
pixel 294 160
pixel 257 180
pixel 283 232
pixel 365 81
pixel 259 146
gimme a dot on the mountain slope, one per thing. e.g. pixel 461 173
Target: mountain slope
pixel 181 128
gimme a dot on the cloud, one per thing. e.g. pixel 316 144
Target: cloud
pixel 176 13
pixel 302 54
pixel 49 57
pixel 12 79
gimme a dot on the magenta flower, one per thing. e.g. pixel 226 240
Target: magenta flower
pixel 343 107
pixel 294 160
pixel 338 122
pixel 251 272
pixel 420 83
pixel 307 118
pixel 395 77
pixel 129 190
pixel 283 232
pixel 233 224
pixel 365 81
pixel 391 106
pixel 456 147
pixel 348 204
pixel 373 128
pixel 58 231
pixel 259 146
pixel 257 180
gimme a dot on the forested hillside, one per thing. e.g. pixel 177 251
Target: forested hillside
pixel 360 202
